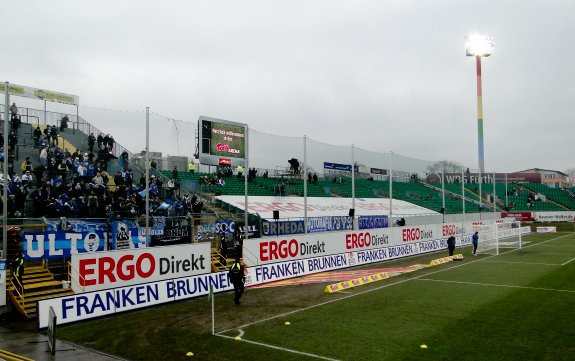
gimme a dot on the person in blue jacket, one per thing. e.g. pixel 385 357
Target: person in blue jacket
pixel 474 241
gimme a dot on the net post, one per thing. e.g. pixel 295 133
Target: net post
pixel 520 235
pixel 496 230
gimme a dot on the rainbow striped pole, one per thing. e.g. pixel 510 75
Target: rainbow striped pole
pixel 479 46
pixel 480 148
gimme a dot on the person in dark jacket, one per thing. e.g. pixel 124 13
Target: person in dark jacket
pixel 451 245
pixel 18 272
pixel 475 241
pixel 236 275
pixel 91 142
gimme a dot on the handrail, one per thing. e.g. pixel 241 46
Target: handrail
pixel 71 280
pixel 9 356
pixel 20 284
pixel 256 262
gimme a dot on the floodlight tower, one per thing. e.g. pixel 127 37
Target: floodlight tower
pixel 479 46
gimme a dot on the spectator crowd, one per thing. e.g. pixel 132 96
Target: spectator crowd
pixel 65 184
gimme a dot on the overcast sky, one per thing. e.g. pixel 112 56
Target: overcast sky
pixel 383 75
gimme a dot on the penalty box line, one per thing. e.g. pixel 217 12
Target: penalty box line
pixel 530 263
pixel 497 285
pixel 375 289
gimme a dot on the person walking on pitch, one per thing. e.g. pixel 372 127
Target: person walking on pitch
pixel 236 275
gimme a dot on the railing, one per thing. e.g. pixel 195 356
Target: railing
pixel 72 279
pixel 250 256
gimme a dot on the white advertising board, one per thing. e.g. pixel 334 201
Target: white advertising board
pixel 259 251
pixel 554 216
pixel 107 302
pixel 103 270
pixel 293 207
pixel 546 229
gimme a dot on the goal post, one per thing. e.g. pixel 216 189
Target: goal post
pixel 497 235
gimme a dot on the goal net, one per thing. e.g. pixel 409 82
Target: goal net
pixel 495 236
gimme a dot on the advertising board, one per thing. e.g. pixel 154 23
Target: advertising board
pixel 554 216
pixel 103 270
pixel 294 247
pixel 221 142
pixel 88 305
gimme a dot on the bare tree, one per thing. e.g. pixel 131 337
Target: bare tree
pixel 570 174
pixel 450 167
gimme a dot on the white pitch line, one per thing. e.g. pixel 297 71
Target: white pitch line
pixel 379 288
pixel 496 285
pixel 563 264
pixel 280 348
pixel 542 264
pixel 558 245
pixel 220 334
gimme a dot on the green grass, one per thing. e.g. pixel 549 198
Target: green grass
pixel 519 305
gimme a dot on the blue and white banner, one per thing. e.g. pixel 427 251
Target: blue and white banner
pixel 226 226
pixel 370 222
pixel 2 282
pixel 61 244
pixel 338 166
pixel 76 225
pixel 127 234
pixel 205 232
pixel 327 224
pixel 281 228
pixel 2 271
pixel 315 225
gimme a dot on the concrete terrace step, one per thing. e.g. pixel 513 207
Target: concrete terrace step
pixel 44 284
pixel 31 301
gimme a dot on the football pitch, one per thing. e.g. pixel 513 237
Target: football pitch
pixel 519 305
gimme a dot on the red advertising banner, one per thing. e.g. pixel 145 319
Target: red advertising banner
pixel 519 216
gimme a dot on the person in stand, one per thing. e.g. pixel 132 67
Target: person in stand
pixel 12 141
pixel 18 272
pixel 54 135
pixel 14 111
pixel 124 160
pixel 191 167
pixel 474 242
pixel 91 142
pixel 36 135
pixel 451 245
pixel 100 140
pixel 64 122
pixel 224 247
pixel 236 275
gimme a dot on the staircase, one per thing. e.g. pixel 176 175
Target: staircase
pixel 39 284
pixel 219 263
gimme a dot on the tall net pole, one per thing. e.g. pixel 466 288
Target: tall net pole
pixel 5 178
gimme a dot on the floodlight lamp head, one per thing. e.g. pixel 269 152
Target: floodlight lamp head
pixel 478 45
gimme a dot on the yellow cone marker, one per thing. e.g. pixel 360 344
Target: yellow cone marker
pixel 190 354
pixel 423 346
pixel 287 323
pixel 237 338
